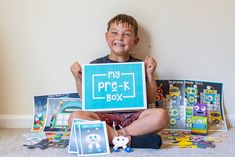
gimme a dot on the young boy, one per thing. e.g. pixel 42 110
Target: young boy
pixel 140 126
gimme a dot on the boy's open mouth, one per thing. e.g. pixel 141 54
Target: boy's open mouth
pixel 119 44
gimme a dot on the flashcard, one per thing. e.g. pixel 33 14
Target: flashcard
pixel 58 112
pixel 93 138
pixel 74 141
pixel 114 87
pixel 88 138
pixel 40 109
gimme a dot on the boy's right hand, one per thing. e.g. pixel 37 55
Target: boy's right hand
pixel 76 69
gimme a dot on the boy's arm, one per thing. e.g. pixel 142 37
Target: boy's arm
pixel 151 89
pixel 150 66
pixel 77 73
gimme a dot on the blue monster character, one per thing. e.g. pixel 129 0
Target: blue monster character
pixel 191 95
pixel 210 95
pixel 200 109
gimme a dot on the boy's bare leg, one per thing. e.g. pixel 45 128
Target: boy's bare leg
pixel 142 132
pixel 149 121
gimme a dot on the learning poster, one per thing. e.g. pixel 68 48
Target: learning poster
pixel 189 101
pixel 40 108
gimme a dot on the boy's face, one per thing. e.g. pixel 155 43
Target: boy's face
pixel 121 38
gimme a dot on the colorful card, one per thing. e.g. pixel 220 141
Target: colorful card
pixel 40 109
pixel 114 87
pixel 58 112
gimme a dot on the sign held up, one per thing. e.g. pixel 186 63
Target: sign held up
pixel 114 87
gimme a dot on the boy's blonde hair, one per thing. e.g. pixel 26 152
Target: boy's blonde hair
pixel 124 19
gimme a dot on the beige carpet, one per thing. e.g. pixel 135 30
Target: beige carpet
pixel 11 141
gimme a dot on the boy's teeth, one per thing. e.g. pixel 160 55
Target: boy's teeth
pixel 116 44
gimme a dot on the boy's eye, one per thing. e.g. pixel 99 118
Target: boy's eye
pixel 113 32
pixel 127 34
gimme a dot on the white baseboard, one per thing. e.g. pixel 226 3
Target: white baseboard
pixel 26 121
pixel 230 119
pixel 16 121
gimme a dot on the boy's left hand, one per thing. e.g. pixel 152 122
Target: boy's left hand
pixel 150 65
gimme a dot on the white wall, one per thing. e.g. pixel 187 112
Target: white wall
pixel 191 39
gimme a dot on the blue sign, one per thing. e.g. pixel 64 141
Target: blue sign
pixel 114 86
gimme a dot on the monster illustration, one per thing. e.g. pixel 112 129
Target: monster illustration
pixel 174 94
pixel 191 95
pixel 93 140
pixel 200 109
pixel 199 125
pixel 159 95
pixel 210 95
pixel 174 116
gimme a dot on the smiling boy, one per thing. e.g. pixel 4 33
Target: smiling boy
pixel 140 126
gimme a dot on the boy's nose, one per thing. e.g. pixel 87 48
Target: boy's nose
pixel 120 37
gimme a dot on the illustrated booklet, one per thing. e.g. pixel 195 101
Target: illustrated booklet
pixel 192 105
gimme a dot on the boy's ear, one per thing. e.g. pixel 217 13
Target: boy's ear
pixel 106 35
pixel 136 40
